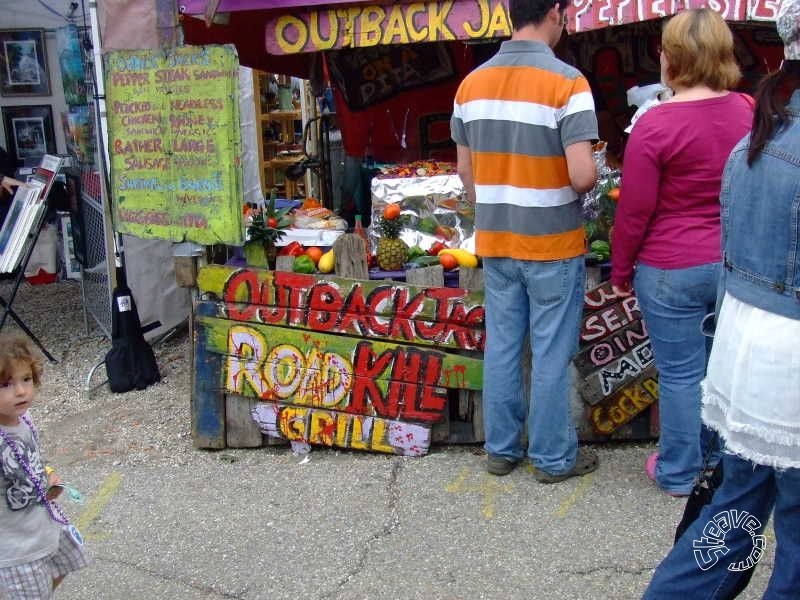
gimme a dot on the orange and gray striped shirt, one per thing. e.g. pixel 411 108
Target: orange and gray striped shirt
pixel 516 113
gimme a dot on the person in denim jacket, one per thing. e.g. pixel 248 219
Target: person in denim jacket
pixel 751 395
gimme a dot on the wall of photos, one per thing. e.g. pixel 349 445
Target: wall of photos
pixel 34 94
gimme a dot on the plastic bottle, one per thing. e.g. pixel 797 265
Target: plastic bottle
pixel 359 230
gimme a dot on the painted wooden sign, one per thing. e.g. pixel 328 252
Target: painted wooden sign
pixel 447 317
pixel 615 359
pixel 321 356
pixel 340 429
pixel 360 25
pixel 604 322
pixel 174 143
pixel 625 403
pixel 610 348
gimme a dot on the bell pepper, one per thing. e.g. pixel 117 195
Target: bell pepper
pixel 292 249
pixel 435 248
pixel 304 264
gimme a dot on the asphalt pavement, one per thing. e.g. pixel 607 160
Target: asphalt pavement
pixel 265 524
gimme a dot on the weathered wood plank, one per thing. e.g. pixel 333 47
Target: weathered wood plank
pixel 240 429
pixel 350 257
pixel 259 287
pixel 626 403
pixel 600 296
pixel 400 329
pixel 284 263
pixel 610 348
pixel 336 428
pixel 207 402
pixel 185 271
pixel 605 321
pixel 355 375
pixel 606 380
pixel 440 432
pixel 452 370
pixel 432 276
pixel 470 279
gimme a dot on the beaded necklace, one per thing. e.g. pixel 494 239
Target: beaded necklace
pixel 55 511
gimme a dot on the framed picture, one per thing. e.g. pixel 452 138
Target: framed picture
pixel 29 131
pixel 23 62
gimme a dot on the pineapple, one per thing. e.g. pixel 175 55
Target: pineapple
pixel 392 252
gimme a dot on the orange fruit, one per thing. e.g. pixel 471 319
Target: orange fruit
pixel 614 194
pixel 448 262
pixel 314 253
pixel 391 212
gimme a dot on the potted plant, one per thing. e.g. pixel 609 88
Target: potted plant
pixel 267 227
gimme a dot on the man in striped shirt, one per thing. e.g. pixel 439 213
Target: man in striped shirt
pixel 523 124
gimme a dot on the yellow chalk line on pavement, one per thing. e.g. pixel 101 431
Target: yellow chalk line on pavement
pixel 489 488
pixel 96 505
pixel 564 507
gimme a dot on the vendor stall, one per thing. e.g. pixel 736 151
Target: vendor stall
pixel 393 69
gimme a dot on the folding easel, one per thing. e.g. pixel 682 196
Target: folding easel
pixel 49 164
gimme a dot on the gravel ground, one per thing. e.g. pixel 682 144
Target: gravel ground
pixel 140 426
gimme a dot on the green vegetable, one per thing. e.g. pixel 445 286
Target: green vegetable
pixel 303 264
pixel 415 251
pixel 427 225
pixel 424 261
pixel 601 249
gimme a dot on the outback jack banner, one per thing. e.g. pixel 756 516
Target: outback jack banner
pixel 364 25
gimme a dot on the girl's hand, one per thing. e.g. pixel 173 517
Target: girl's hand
pixel 623 290
pixel 9 183
pixel 54 488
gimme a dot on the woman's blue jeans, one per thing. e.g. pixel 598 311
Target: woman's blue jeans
pixel 746 487
pixel 544 299
pixel 673 303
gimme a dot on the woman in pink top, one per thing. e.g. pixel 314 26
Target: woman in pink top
pixel 668 225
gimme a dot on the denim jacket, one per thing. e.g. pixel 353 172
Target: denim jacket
pixel 761 221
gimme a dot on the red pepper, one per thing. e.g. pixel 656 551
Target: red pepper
pixel 435 248
pixel 292 249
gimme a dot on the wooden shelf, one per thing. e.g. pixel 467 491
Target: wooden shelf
pixel 271 167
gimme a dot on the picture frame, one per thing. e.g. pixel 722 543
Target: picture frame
pixel 23 63
pixel 29 131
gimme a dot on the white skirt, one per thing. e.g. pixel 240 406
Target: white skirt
pixel 751 394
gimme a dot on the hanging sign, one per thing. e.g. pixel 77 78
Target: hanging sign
pixel 362 26
pixel 174 143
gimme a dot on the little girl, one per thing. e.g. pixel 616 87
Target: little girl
pixel 39 546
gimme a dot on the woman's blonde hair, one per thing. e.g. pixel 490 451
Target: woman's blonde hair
pixel 15 349
pixel 699 48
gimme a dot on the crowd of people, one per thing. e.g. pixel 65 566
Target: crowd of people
pixel 708 221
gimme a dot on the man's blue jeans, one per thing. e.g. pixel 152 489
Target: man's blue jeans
pixel 673 303
pixel 746 487
pixel 545 299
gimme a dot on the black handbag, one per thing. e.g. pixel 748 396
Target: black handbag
pixel 702 493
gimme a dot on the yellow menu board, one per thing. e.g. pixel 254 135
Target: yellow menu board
pixel 175 143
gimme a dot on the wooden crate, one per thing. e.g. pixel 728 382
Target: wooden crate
pixel 332 361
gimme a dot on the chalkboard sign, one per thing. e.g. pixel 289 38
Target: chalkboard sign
pixel 174 143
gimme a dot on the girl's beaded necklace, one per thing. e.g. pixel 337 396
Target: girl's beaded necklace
pixel 55 511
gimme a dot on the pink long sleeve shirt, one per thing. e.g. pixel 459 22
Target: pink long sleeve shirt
pixel 668 215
